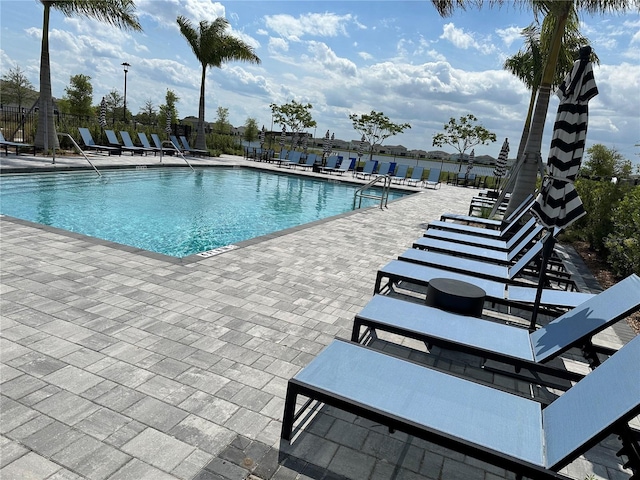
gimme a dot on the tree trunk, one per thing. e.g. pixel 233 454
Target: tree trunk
pixel 525 183
pixel 46 136
pixel 201 139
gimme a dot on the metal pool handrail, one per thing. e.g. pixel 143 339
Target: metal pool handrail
pixel 79 149
pixel 169 142
pixel 383 197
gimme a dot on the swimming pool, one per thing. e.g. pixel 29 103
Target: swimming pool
pixel 176 211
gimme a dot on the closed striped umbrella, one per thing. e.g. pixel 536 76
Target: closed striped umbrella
pixel 326 147
pixel 501 163
pixel 103 113
pixel 263 134
pixel 168 126
pixel 361 146
pixel 558 204
pixel 472 157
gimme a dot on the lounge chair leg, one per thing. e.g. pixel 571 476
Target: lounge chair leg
pixel 630 449
pixel 590 354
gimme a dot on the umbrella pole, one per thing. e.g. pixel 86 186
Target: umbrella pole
pixel 549 243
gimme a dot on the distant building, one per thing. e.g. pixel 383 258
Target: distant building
pixel 438 155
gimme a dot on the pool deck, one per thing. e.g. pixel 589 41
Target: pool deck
pixel 116 364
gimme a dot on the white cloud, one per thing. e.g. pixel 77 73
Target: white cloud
pixel 310 24
pixel 365 55
pixel 278 44
pixel 329 61
pixel 165 12
pixel 509 35
pixel 465 41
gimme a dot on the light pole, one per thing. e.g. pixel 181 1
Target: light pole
pixel 126 66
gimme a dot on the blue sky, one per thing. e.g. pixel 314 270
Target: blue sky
pixel 343 57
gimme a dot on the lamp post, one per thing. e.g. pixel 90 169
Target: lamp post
pixel 126 66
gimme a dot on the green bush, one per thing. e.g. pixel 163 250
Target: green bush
pixel 599 199
pixel 623 243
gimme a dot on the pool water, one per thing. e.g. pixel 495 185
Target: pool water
pixel 176 212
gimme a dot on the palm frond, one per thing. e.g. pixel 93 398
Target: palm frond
pixel 119 13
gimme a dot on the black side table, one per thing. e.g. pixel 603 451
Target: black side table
pixel 455 296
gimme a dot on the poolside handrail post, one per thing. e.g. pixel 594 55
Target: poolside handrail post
pixel 175 147
pixel 78 148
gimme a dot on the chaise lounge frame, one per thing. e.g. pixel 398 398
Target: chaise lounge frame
pixel 475 419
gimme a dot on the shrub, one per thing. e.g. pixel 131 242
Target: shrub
pixel 623 243
pixel 599 199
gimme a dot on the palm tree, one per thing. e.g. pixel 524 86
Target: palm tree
pixel 120 13
pixel 528 64
pixel 560 11
pixel 213 47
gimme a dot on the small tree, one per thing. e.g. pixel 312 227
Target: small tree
pixel 296 117
pixel 605 162
pixel 16 87
pixel 148 114
pixel 169 106
pixel 115 104
pixel 79 94
pixel 376 128
pixel 250 130
pixel 222 126
pixel 463 135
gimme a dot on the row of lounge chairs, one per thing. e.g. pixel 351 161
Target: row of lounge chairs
pixel 17 145
pixel 517 433
pixel 335 164
pixel 115 147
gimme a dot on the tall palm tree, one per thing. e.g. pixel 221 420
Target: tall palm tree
pixel 560 11
pixel 213 47
pixel 120 13
pixel 528 63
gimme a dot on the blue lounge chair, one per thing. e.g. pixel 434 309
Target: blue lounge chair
pixel 193 151
pixel 177 144
pixel 469 238
pixel 505 230
pixel 293 159
pixel 383 169
pixel 145 143
pixel 89 144
pixel 498 289
pixel 478 268
pixel 311 159
pixel 17 145
pixel 416 176
pixel 401 173
pixel 367 170
pixel 114 142
pixel 506 344
pixel 128 144
pixel 330 165
pixel 488 222
pixel 509 431
pixel 479 252
pixel 433 180
pixel 345 166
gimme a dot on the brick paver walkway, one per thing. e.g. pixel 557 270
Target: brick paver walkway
pixel 118 365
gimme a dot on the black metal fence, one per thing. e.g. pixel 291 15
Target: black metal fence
pixel 20 125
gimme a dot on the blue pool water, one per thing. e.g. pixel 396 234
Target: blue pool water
pixel 175 212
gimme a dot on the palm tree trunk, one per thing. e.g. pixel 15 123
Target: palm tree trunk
pixel 527 125
pixel 201 140
pixel 527 176
pixel 46 136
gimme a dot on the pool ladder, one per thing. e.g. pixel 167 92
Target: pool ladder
pixel 60 134
pixel 169 143
pixel 383 197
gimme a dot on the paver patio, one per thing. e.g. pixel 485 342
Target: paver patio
pixel 116 364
